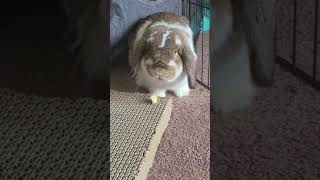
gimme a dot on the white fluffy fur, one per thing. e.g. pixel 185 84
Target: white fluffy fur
pixel 179 84
pixel 233 87
pixel 164 39
pixel 178 41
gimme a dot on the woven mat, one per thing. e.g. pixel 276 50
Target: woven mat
pixel 52 138
pixel 136 130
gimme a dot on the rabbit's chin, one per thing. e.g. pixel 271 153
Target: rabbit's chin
pixel 179 84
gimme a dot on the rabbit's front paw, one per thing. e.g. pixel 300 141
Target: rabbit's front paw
pixel 159 93
pixel 182 92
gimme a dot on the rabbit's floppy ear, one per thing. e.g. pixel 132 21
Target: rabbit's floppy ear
pixel 189 58
pixel 136 47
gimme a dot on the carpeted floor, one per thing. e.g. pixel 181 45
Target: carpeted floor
pixel 278 138
pixel 184 151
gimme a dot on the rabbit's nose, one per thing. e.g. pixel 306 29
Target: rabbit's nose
pixel 160 64
pixel 159 71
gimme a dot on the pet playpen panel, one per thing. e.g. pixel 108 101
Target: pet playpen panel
pixel 198 12
pixel 297 38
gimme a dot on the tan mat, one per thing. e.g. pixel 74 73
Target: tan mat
pixel 136 130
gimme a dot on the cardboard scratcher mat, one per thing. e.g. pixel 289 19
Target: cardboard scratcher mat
pixel 136 129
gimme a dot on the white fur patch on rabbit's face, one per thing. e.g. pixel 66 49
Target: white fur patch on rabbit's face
pixel 164 39
pixel 164 36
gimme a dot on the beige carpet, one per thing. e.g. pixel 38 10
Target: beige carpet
pixel 136 129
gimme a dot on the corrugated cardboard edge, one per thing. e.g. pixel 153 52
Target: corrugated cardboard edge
pixel 150 154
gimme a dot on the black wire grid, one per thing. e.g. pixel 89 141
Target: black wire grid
pixel 195 10
pixel 291 64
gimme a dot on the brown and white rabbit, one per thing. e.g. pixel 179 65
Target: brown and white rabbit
pixel 162 54
pixel 233 86
pixel 241 51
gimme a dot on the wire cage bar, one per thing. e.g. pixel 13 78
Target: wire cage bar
pixel 303 68
pixel 198 12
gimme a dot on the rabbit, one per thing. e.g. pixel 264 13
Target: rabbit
pixel 236 73
pixel 233 86
pixel 162 54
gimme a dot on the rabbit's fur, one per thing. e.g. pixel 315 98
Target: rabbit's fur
pixel 162 55
pixel 242 56
pixel 233 86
